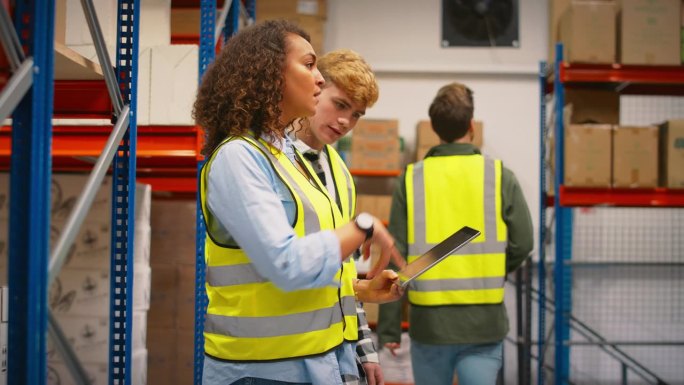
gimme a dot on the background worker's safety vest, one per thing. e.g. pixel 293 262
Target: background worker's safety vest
pixel 248 317
pixel 444 193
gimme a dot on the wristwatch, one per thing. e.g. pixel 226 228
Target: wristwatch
pixel 364 222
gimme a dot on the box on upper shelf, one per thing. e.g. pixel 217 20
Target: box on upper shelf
pixel 310 15
pixel 650 32
pixel 588 32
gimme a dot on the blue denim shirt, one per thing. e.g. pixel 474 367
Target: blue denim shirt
pixel 253 205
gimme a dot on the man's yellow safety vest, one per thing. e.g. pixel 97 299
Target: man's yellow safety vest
pixel 444 193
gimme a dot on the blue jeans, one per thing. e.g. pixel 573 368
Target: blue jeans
pixel 474 364
pixel 262 381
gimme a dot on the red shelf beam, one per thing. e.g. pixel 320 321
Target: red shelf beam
pixel 618 73
pixel 656 197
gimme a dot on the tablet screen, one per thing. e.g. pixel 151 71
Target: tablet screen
pixel 442 250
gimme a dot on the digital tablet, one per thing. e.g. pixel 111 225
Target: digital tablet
pixel 442 250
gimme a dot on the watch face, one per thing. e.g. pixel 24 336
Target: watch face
pixel 365 221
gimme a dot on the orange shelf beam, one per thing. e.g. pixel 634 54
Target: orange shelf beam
pixel 379 173
pixel 167 156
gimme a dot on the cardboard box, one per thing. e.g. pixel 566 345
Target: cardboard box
pixel 171 101
pixel 377 128
pixel 671 146
pixel 426 138
pixel 592 106
pixel 310 15
pixel 375 145
pixel 635 157
pixel 162 313
pixel 173 232
pixel 185 298
pixel 650 32
pixel 588 32
pixel 377 205
pixel 266 9
pixel 588 155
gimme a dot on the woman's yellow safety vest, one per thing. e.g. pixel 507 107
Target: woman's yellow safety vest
pixel 444 193
pixel 249 318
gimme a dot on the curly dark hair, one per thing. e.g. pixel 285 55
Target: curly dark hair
pixel 241 90
pixel 451 111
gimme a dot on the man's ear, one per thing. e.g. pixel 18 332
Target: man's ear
pixel 471 129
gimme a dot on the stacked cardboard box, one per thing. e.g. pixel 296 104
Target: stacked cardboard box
pixel 308 14
pixel 172 304
pixel 671 148
pixel 587 29
pixel 635 157
pixel 635 32
pixel 376 146
pixel 79 296
pixel 426 138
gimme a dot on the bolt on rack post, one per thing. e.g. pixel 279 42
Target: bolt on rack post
pixel 572 270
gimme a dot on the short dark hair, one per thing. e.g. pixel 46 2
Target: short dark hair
pixel 451 111
pixel 241 90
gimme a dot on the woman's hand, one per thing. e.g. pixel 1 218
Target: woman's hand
pixel 382 288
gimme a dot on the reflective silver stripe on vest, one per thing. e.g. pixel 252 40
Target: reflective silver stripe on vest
pixel 311 223
pixel 233 275
pixel 490 246
pixel 258 327
pixel 458 284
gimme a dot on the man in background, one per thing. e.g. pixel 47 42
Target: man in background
pixel 458 320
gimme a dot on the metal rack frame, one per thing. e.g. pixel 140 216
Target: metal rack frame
pixel 625 79
pixel 30 94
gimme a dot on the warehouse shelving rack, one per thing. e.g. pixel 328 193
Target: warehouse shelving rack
pixel 644 80
pixel 29 93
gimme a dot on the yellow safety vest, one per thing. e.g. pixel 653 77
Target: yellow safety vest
pixel 249 318
pixel 443 194
pixel 344 183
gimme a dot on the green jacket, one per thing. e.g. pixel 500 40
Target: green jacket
pixel 458 324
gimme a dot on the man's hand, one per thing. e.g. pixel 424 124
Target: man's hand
pixel 392 347
pixel 382 239
pixel 381 289
pixel 373 373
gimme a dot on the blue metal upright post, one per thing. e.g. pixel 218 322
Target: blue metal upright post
pixel 563 238
pixel 207 53
pixel 123 200
pixel 29 220
pixel 542 225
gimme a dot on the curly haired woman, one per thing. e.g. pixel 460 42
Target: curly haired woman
pixel 281 288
